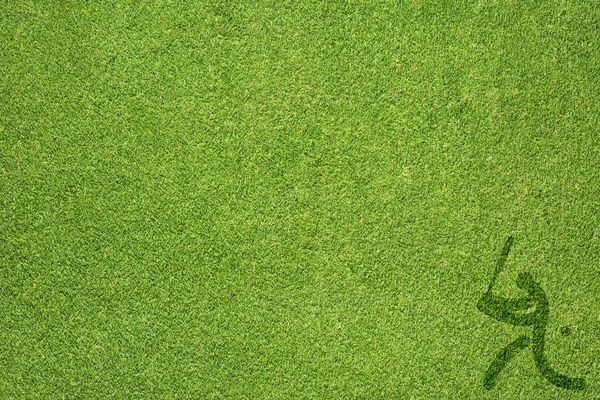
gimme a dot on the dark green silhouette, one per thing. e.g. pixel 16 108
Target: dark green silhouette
pixel 516 312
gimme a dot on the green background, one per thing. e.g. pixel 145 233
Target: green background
pixel 294 199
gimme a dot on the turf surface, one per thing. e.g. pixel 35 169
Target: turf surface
pixel 295 199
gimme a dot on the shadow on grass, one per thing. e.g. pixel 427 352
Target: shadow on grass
pixel 518 312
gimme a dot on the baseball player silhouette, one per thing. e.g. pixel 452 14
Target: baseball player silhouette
pixel 516 311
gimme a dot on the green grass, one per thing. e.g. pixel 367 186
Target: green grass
pixel 294 199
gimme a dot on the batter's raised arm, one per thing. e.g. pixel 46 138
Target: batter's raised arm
pixel 508 310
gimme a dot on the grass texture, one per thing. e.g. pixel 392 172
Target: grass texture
pixel 296 199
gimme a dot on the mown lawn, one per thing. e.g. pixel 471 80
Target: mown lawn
pixel 295 199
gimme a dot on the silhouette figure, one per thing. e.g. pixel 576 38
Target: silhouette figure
pixel 517 312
